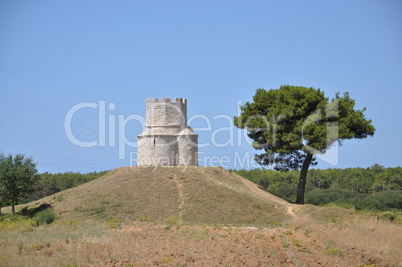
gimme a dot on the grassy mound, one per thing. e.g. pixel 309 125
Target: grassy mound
pixel 192 195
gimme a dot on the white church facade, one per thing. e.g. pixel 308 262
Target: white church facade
pixel 167 139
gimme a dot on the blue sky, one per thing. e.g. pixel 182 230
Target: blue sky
pixel 57 54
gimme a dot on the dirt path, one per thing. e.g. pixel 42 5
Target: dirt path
pixel 179 187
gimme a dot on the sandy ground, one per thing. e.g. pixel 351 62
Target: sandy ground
pixel 235 246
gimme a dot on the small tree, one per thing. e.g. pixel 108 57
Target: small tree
pixel 2 188
pixel 292 124
pixel 17 177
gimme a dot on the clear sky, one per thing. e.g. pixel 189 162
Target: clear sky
pixel 57 55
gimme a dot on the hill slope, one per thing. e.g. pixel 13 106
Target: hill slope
pixel 198 217
pixel 192 194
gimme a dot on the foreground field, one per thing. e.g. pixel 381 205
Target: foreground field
pixel 193 217
pixel 111 243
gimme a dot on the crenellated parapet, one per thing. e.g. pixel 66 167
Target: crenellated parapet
pixel 167 100
pixel 166 112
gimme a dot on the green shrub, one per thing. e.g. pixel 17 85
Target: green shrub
pixel 333 252
pixel 382 201
pixel 144 218
pixel 172 220
pixel 287 192
pixel 114 223
pixel 388 215
pixel 334 195
pixel 46 216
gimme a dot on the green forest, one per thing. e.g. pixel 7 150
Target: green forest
pixel 373 188
pixel 49 183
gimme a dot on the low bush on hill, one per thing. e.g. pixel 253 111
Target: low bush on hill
pixel 380 201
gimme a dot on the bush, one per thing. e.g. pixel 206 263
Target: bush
pixel 172 220
pixel 333 252
pixel 46 216
pixel 388 215
pixel 382 201
pixel 287 192
pixel 144 218
pixel 327 196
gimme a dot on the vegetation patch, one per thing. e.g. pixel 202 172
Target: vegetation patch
pixel 46 216
pixel 144 218
pixel 388 215
pixel 306 250
pixel 288 232
pixel 14 221
pixel 114 223
pixel 373 188
pixel 296 243
pixel 333 252
pixel 172 220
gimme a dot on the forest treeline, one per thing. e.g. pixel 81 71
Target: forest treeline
pixel 49 183
pixel 375 187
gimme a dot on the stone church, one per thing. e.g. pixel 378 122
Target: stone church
pixel 167 139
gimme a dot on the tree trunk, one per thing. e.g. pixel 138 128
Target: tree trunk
pixel 302 181
pixel 12 209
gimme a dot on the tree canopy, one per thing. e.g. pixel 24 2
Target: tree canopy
pixel 17 177
pixel 293 123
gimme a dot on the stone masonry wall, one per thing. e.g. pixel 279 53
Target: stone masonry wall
pixel 167 139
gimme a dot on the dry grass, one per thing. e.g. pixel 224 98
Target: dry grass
pixel 195 217
pixel 93 243
pixel 378 240
pixel 193 194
